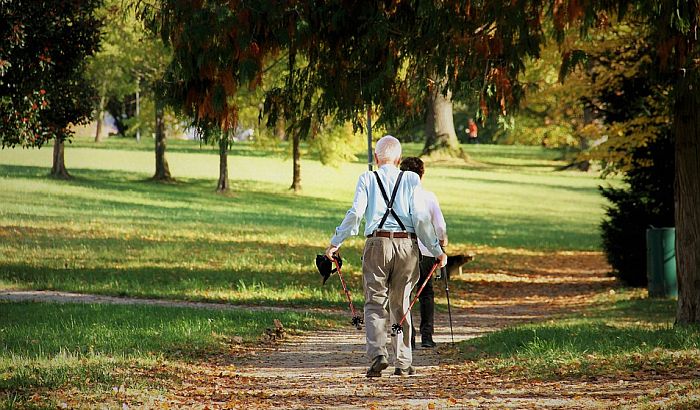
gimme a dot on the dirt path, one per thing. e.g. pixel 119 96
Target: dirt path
pixel 52 296
pixel 326 369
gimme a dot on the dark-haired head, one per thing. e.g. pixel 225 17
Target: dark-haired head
pixel 414 164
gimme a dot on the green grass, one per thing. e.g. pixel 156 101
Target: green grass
pixel 111 231
pixel 616 339
pixel 48 329
pixel 59 346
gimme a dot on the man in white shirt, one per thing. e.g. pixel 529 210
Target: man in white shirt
pixel 393 206
pixel 427 296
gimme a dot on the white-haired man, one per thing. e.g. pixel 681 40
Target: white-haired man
pixel 395 213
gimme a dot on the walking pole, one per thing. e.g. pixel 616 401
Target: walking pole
pixel 356 319
pixel 449 308
pixel 397 327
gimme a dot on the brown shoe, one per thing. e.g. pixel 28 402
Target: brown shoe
pixel 378 364
pixel 410 371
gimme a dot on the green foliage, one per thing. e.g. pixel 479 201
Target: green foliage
pixel 42 88
pixel 336 144
pixel 628 95
pixel 646 202
pixel 551 112
pixel 130 60
pixel 145 121
pixel 113 69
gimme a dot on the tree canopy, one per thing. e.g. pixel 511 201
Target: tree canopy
pixel 42 60
pixel 358 55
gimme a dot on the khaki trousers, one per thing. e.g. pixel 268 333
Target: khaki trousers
pixel 389 271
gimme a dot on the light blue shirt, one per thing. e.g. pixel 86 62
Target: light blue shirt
pixel 409 205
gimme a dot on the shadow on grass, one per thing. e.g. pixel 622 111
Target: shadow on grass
pixel 120 197
pixel 623 329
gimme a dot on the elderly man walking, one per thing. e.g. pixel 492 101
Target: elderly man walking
pixel 395 213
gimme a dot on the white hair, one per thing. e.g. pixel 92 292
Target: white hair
pixel 388 149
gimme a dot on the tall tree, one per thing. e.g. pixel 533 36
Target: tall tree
pixel 42 63
pixel 673 25
pixel 132 61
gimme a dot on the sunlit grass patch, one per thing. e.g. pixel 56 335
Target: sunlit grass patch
pixel 621 339
pixel 93 348
pixel 134 330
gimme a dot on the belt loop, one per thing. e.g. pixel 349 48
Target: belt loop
pixel 391 235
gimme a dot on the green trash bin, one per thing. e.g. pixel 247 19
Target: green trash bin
pixel 661 262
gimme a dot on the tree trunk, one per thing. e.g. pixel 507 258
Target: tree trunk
pixel 58 170
pixel 687 197
pixel 98 126
pixel 138 114
pixel 162 168
pixel 223 184
pixel 101 112
pixel 296 159
pixel 280 128
pixel 440 132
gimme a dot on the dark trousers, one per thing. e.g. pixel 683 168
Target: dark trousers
pixel 426 298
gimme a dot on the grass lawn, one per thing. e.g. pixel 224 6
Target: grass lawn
pixel 110 231
pixel 626 336
pixel 95 348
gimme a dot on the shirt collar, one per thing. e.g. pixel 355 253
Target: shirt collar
pixel 389 168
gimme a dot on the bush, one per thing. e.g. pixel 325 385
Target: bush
pixel 647 201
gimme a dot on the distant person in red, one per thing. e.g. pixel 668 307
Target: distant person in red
pixel 473 132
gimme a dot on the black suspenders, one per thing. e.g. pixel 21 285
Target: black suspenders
pixel 390 202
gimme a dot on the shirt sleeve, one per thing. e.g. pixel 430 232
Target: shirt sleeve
pixel 351 223
pixel 422 223
pixel 437 218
